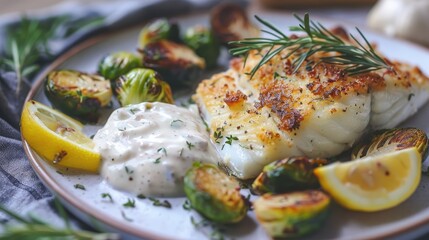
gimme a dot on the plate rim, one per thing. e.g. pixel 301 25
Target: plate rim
pixel 98 37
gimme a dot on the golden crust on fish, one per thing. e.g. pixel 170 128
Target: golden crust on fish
pixel 317 111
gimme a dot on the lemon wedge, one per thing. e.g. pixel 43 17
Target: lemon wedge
pixel 58 138
pixel 373 183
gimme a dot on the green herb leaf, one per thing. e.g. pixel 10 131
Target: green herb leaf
pixel 230 139
pixel 79 186
pixel 176 123
pixel 141 196
pixel 131 203
pixel 187 205
pixel 107 195
pixel 190 145
pixel 162 150
pixel 158 160
pixel 157 202
pixel 217 135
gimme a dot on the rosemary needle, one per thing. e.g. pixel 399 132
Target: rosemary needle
pixel 33 228
pixel 357 58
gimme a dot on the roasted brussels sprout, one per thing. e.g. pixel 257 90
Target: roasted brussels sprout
pixel 117 64
pixel 203 42
pixel 230 23
pixel 158 30
pixel 383 141
pixel 78 94
pixel 290 174
pixel 176 63
pixel 142 85
pixel 214 194
pixel 292 214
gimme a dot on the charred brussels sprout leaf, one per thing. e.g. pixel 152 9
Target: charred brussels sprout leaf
pixel 292 214
pixel 214 194
pixel 389 140
pixel 290 174
pixel 117 64
pixel 177 63
pixel 204 43
pixel 230 23
pixel 142 85
pixel 158 30
pixel 78 94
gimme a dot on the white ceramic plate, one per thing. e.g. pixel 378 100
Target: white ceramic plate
pixel 148 221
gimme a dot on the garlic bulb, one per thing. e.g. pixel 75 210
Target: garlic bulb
pixel 408 19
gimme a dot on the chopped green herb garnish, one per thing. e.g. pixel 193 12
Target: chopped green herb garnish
pixel 162 150
pixel 157 202
pixel 79 186
pixel 128 171
pixel 141 196
pixel 176 123
pixel 122 129
pixel 190 145
pixel 107 195
pixel 131 203
pixel 125 217
pixel 134 110
pixel 230 139
pixel 187 205
pixel 158 160
pixel 217 135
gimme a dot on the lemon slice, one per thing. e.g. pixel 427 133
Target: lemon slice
pixel 57 137
pixel 373 183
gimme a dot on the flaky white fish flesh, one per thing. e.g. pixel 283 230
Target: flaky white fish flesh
pixel 317 111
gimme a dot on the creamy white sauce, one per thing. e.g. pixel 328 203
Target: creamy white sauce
pixel 147 148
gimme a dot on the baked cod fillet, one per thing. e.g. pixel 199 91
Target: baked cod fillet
pixel 317 111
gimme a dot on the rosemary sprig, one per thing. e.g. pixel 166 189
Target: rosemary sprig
pixel 357 58
pixel 33 228
pixel 27 42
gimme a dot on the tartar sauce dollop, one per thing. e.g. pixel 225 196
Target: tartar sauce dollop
pixel 148 147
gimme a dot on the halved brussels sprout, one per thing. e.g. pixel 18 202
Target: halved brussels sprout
pixel 203 42
pixel 176 63
pixel 214 194
pixel 78 94
pixel 383 141
pixel 230 23
pixel 117 64
pixel 158 30
pixel 290 174
pixel 292 214
pixel 142 85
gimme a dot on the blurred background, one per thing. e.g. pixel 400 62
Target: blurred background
pixel 8 6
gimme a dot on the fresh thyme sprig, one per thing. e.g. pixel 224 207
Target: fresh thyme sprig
pixel 357 58
pixel 33 228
